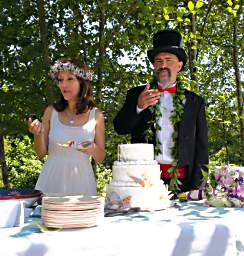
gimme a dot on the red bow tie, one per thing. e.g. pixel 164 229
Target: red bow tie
pixel 170 90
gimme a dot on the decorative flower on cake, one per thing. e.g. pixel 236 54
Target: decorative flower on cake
pixel 126 202
pixel 225 187
pixel 115 202
pixel 165 194
pixel 144 181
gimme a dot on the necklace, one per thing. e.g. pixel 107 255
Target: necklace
pixel 178 109
pixel 71 118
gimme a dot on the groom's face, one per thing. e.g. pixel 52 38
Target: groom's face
pixel 166 66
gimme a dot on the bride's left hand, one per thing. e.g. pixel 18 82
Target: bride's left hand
pixel 87 147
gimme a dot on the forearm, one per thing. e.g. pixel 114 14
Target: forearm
pixel 40 130
pixel 98 153
pixel 40 146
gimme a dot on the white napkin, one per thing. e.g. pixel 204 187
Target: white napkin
pixel 11 213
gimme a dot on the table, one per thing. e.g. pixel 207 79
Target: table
pixel 188 229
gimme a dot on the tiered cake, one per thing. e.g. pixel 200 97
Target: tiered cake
pixel 136 180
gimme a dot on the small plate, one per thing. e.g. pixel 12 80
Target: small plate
pixel 76 145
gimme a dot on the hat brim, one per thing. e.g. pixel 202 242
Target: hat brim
pixel 178 51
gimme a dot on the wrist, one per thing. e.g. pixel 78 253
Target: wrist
pixel 38 136
pixel 138 109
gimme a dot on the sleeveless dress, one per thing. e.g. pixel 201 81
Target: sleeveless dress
pixel 66 170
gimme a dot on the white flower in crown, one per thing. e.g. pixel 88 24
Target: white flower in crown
pixel 79 72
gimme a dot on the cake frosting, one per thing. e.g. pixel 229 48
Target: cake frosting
pixel 136 180
pixel 136 171
pixel 135 152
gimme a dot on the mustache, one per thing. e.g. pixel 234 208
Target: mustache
pixel 164 69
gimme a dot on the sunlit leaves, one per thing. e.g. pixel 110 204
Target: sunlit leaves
pixel 194 8
pixel 166 17
pixel 187 20
pixel 191 6
pixel 199 4
pixel 232 8
pixel 229 2
pixel 179 19
pixel 166 13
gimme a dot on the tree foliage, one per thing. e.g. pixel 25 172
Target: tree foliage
pixel 112 38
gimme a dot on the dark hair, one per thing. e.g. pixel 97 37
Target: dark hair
pixel 85 100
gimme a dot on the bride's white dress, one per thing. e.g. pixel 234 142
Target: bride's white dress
pixel 66 170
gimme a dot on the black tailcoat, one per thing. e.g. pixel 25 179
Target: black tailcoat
pixel 192 133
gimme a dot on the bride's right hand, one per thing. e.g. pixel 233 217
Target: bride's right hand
pixel 35 126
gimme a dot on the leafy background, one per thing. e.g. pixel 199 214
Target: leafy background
pixel 112 38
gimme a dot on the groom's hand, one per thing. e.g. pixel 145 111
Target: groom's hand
pixel 148 97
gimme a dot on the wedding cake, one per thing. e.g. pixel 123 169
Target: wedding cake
pixel 136 180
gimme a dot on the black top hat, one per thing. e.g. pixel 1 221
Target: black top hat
pixel 167 41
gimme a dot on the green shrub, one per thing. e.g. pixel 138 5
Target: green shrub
pixel 23 166
pixel 103 176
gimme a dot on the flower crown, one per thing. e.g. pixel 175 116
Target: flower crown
pixel 80 72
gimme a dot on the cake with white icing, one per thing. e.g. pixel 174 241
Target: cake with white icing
pixel 136 180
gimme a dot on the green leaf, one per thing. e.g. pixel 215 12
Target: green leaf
pixel 229 2
pixel 179 19
pixel 187 20
pixel 165 9
pixel 205 175
pixel 182 10
pixel 199 4
pixel 166 17
pixel 229 9
pixel 182 97
pixel 190 6
pixel 171 169
pixel 179 182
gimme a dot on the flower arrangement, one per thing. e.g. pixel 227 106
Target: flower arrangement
pixel 225 186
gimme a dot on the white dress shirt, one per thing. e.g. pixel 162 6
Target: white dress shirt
pixel 167 129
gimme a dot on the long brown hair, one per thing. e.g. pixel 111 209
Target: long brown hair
pixel 85 101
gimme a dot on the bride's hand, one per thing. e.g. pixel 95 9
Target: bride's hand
pixel 35 126
pixel 87 147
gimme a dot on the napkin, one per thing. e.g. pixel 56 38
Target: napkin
pixel 11 213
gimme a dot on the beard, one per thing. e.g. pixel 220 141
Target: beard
pixel 164 82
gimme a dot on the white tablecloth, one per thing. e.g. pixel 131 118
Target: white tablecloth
pixel 11 213
pixel 192 229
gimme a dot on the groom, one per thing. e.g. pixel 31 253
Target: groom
pixel 167 115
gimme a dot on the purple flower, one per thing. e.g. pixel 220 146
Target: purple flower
pixel 241 181
pixel 240 191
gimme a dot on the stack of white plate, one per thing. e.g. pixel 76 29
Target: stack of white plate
pixel 72 211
